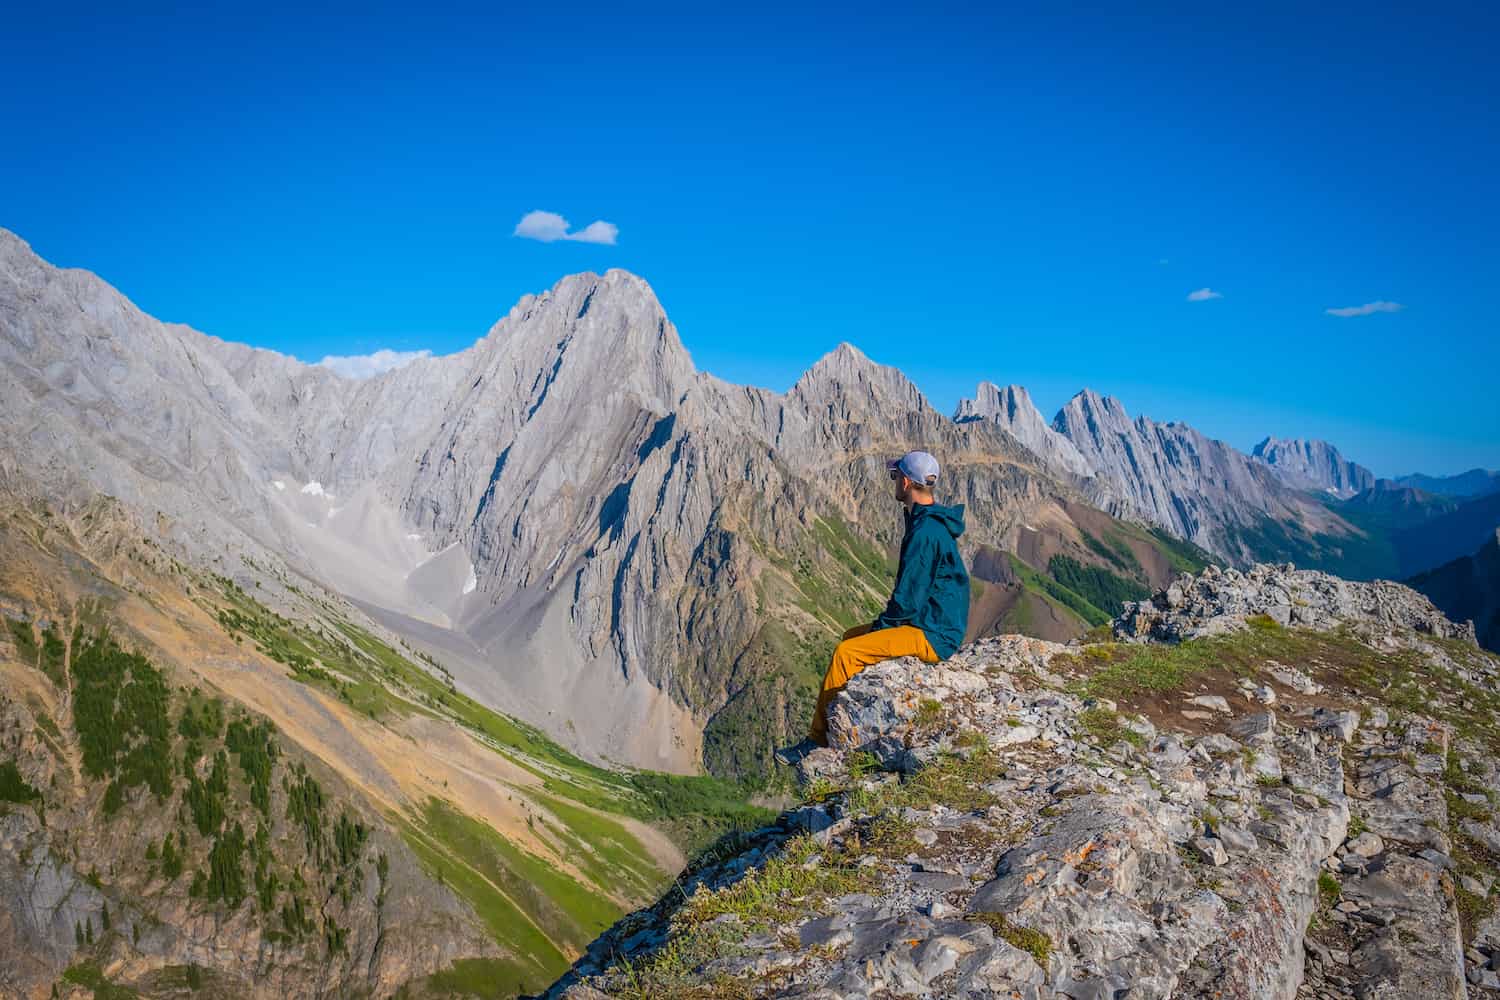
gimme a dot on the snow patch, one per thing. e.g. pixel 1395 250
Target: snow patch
pixel 315 488
pixel 334 510
pixel 414 538
pixel 278 484
pixel 472 582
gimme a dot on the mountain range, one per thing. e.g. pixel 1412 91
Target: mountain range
pixel 596 536
pixel 417 611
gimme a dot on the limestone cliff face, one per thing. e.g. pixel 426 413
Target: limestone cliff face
pixel 1313 465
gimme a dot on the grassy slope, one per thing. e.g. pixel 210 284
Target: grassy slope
pixel 1092 584
pixel 530 904
pixel 1365 556
pixel 1404 680
pixel 541 904
pixel 159 755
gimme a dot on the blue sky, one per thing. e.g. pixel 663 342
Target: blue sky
pixel 965 193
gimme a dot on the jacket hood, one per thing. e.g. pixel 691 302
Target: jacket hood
pixel 951 518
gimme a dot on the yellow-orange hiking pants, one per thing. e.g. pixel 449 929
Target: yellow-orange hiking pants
pixel 862 648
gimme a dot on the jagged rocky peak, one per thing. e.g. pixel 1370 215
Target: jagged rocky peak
pixel 1089 413
pixel 1313 465
pixel 991 402
pixel 615 319
pixel 1042 821
pixel 847 374
pixel 1012 409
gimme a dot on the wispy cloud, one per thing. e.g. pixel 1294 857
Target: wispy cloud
pixel 370 365
pixel 549 227
pixel 1366 309
pixel 1204 294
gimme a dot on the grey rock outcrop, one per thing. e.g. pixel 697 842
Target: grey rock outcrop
pixel 990 832
pixel 1315 465
pixel 1218 601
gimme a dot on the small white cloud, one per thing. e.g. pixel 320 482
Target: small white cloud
pixel 369 365
pixel 596 232
pixel 1164 261
pixel 1366 309
pixel 544 226
pixel 1204 294
pixel 549 227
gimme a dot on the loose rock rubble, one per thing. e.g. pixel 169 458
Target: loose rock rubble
pixel 1306 853
pixel 1219 600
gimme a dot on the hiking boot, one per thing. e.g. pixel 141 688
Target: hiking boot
pixel 792 755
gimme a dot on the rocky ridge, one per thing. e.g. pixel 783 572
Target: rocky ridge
pixel 1250 810
pixel 1218 601
pixel 1475 482
pixel 1173 476
pixel 1012 408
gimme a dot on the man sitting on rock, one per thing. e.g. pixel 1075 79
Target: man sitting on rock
pixel 929 606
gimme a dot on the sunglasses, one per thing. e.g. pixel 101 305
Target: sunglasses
pixel 896 475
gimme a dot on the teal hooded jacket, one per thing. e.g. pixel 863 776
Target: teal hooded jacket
pixel 932 585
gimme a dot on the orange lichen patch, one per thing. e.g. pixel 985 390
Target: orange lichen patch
pixel 1076 858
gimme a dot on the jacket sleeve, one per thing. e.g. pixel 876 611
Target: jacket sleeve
pixel 913 585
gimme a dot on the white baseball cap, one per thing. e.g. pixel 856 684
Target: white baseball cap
pixel 918 466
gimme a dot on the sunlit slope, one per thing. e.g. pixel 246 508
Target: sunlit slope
pixel 236 729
